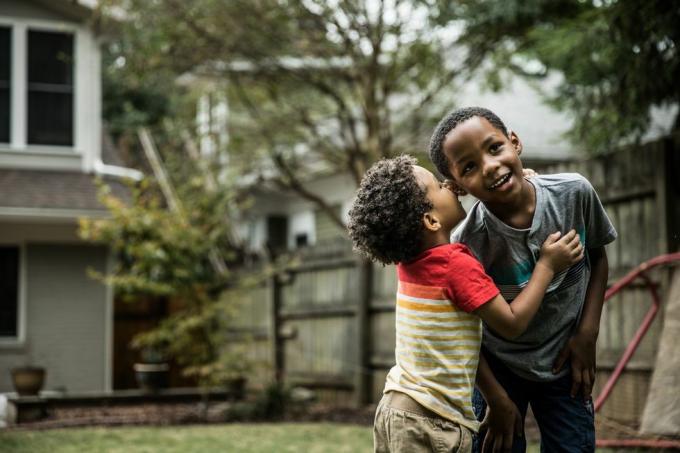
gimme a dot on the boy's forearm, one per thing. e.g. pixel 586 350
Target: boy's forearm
pixel 511 320
pixel 594 299
pixel 487 383
pixel 526 304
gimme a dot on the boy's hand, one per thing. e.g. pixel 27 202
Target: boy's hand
pixel 502 423
pixel 528 173
pixel 581 350
pixel 560 253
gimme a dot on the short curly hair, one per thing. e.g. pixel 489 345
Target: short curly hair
pixel 450 122
pixel 385 220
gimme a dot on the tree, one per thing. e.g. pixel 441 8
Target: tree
pixel 166 253
pixel 617 59
pixel 312 85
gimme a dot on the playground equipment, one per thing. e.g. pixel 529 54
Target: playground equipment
pixel 640 272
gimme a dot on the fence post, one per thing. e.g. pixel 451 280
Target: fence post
pixel 277 342
pixel 363 375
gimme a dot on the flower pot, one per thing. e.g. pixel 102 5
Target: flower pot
pixel 28 380
pixel 151 376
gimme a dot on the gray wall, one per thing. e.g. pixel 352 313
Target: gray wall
pixel 66 321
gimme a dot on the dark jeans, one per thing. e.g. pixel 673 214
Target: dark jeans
pixel 567 424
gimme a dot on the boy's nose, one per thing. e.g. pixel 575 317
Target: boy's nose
pixel 490 167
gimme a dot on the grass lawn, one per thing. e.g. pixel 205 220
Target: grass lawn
pixel 246 438
pixel 307 438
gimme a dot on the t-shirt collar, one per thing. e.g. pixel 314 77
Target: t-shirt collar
pixel 498 224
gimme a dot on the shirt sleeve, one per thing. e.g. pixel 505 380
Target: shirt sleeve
pixel 468 286
pixel 599 229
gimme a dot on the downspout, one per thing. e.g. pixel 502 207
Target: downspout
pixel 100 168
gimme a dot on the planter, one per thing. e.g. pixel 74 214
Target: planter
pixel 151 376
pixel 28 380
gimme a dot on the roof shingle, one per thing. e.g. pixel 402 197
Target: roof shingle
pixel 21 188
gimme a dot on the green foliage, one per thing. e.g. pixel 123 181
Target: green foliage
pixel 617 58
pixel 165 254
pixel 273 402
pixel 160 252
pixel 130 101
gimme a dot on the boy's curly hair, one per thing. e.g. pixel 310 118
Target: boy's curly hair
pixel 385 221
pixel 449 123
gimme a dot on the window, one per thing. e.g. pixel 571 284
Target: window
pixel 50 88
pixel 9 291
pixel 5 78
pixel 277 234
pixel 301 240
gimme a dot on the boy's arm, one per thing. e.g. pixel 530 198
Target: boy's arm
pixel 511 320
pixel 502 420
pixel 580 348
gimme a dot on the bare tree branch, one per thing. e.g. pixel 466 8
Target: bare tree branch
pixel 290 180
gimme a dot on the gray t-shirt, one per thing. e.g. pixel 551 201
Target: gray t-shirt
pixel 563 202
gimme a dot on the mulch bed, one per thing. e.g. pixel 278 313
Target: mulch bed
pixel 163 414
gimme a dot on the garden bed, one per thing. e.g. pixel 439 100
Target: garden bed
pixel 182 413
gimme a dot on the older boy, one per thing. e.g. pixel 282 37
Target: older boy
pixel 403 215
pixel 504 230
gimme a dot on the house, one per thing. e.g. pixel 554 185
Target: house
pixel 52 314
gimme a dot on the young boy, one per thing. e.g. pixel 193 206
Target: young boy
pixel 504 230
pixel 403 215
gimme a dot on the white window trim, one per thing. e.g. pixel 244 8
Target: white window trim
pixel 19 85
pixel 20 340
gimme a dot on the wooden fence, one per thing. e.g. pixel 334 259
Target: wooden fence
pixel 635 186
pixel 328 322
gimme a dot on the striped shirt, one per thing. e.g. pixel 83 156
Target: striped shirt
pixel 438 338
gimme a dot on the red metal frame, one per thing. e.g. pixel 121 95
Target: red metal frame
pixel 638 272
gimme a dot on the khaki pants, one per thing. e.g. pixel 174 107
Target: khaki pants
pixel 403 425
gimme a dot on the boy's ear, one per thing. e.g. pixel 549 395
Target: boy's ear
pixel 516 142
pixel 431 222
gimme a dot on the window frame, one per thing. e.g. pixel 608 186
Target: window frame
pixel 18 341
pixel 19 86
pixel 43 88
pixel 9 87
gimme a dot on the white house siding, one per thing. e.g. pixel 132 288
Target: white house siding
pixel 337 190
pixel 301 223
pixel 67 325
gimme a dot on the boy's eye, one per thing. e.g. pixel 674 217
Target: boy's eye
pixel 468 168
pixel 495 148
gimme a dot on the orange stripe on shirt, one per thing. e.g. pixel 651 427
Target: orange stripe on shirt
pixel 421 291
pixel 425 307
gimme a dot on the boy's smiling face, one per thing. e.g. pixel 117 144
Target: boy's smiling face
pixel 483 161
pixel 445 204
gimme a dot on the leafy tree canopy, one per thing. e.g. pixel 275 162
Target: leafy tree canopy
pixel 617 58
